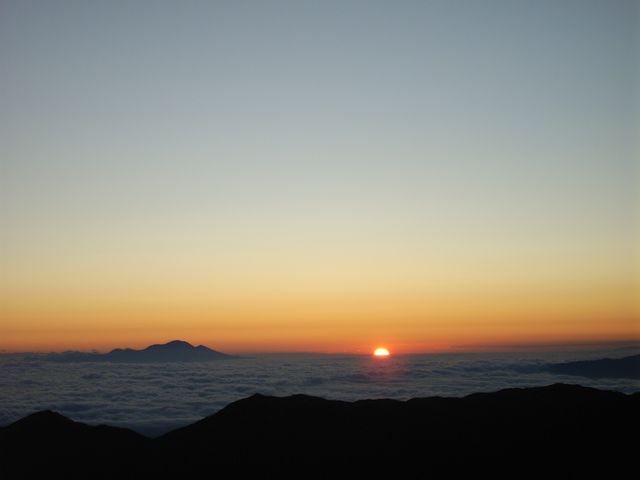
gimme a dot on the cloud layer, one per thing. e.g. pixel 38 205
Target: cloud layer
pixel 154 398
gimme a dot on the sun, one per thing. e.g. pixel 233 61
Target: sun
pixel 381 352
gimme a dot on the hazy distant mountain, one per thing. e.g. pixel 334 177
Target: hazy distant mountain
pixel 627 367
pixel 174 351
pixel 564 429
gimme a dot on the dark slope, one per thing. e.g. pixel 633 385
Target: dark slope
pixel 560 427
pixel 51 445
pixel 627 367
pixel 47 426
pixel 551 431
pixel 174 351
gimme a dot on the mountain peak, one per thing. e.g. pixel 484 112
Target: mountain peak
pixel 44 419
pixel 48 416
pixel 173 351
pixel 172 344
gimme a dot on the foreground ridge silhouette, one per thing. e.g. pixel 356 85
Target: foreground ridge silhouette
pixel 553 430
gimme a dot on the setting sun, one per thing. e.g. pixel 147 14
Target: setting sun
pixel 381 352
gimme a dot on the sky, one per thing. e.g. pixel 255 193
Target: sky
pixel 318 176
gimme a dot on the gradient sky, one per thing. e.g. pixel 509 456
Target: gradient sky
pixel 320 176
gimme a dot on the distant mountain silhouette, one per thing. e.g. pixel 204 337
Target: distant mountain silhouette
pixel 627 367
pixel 174 351
pixel 552 431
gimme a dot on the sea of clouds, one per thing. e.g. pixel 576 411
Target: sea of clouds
pixel 155 398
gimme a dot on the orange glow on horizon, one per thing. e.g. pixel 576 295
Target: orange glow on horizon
pixel 376 211
pixel 414 322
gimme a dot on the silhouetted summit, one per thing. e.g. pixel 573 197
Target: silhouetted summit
pixel 546 427
pixel 627 367
pixel 45 419
pixel 554 430
pixel 174 351
pixel 49 445
pixel 53 431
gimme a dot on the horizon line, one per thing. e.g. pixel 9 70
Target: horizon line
pixel 451 349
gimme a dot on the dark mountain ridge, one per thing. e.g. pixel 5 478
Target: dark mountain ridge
pixel 567 428
pixel 174 351
pixel 627 367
